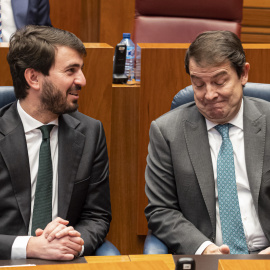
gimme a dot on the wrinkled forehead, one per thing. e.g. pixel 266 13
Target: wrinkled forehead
pixel 204 70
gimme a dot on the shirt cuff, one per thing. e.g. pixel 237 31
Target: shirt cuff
pixel 202 247
pixel 82 251
pixel 18 250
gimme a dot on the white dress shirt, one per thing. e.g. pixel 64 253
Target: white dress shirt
pixel 33 139
pixel 8 23
pixel 255 237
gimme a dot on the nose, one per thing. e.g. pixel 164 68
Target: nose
pixel 210 92
pixel 80 79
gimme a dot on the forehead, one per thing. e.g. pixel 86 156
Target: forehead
pixel 67 56
pixel 209 71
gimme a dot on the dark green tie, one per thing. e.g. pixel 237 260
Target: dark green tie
pixel 42 213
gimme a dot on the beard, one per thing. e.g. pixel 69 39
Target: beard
pixel 53 99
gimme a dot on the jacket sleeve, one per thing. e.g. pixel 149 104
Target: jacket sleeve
pixel 163 212
pixel 95 217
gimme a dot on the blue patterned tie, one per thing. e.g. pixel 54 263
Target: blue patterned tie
pixel 230 217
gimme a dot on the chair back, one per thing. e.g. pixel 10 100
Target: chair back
pixel 258 90
pixel 171 21
pixel 7 95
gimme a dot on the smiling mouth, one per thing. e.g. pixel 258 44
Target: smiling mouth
pixel 73 94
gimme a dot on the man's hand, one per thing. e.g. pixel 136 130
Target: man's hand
pixel 55 242
pixel 265 251
pixel 214 249
pixel 57 229
pixel 65 248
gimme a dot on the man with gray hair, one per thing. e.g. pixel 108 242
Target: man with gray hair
pixel 207 168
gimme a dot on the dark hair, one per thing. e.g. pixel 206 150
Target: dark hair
pixel 216 47
pixel 34 47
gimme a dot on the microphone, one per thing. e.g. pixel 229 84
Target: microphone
pixel 185 264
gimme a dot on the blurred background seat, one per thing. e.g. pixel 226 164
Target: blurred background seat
pixel 170 21
pixel 7 95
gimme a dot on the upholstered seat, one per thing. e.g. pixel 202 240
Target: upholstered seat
pixel 170 21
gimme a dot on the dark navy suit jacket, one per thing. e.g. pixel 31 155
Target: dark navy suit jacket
pixel 36 12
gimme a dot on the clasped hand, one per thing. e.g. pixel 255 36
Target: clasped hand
pixel 56 242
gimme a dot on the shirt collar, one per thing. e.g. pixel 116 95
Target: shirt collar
pixel 30 123
pixel 237 121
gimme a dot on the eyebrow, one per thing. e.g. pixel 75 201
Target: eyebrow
pixel 216 75
pixel 74 65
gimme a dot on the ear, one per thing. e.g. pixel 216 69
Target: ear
pixel 244 76
pixel 32 78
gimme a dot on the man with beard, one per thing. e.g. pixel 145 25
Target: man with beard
pixel 73 218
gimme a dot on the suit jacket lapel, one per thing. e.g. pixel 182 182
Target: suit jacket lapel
pixel 20 9
pixel 199 150
pixel 71 144
pixel 13 149
pixel 254 138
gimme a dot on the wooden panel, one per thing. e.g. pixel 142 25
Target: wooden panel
pixel 123 169
pixel 258 56
pixel 257 3
pixel 260 38
pixel 162 76
pixel 5 78
pixel 89 30
pixel 161 81
pixel 243 264
pixel 116 18
pixel 256 21
pixel 96 97
pixel 256 17
pixel 66 15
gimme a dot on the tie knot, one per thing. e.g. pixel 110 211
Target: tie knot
pixel 223 130
pixel 46 130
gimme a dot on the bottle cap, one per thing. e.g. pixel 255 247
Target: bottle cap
pixel 126 35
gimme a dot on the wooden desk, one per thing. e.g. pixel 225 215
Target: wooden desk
pixel 166 258
pixel 39 262
pixel 107 259
pixel 210 262
pixel 148 265
pixel 243 264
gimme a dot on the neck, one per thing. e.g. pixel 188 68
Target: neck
pixel 34 109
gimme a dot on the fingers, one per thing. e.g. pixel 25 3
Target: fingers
pixel 224 249
pixel 74 233
pixel 77 240
pixel 39 232
pixel 211 249
pixel 73 243
pixel 265 251
pixel 214 249
pixel 57 229
pixel 58 249
pixel 60 232
pixel 54 227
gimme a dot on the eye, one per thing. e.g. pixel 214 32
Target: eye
pixel 199 85
pixel 70 70
pixel 220 82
